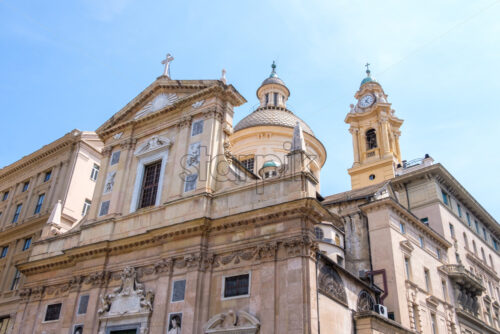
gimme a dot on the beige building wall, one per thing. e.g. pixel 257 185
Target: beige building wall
pixel 69 161
pixel 398 240
pixel 456 219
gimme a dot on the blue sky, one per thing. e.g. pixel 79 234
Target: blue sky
pixel 73 64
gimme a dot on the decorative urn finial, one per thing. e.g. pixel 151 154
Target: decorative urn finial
pixel 273 72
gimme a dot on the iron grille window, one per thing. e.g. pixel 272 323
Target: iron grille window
pixel 94 172
pixel 53 312
pixel 26 185
pixel 249 164
pixel 47 176
pixel 39 203
pixel 17 212
pixel 236 286
pixel 84 302
pixel 150 184
pixel 86 207
pixel 15 280
pixel 197 128
pixel 4 251
pixel 27 244
pixel 104 208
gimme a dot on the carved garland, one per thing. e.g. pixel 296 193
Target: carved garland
pixel 296 246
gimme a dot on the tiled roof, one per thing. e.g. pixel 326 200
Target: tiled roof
pixel 271 116
pixel 355 194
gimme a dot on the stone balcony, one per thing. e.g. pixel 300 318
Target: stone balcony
pixel 467 287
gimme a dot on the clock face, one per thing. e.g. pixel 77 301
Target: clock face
pixel 366 101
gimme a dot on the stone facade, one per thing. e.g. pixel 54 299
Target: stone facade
pixel 50 186
pixel 197 226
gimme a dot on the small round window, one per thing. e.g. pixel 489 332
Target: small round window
pixel 319 233
pixel 372 177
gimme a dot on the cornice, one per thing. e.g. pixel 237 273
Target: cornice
pixel 403 212
pixel 307 208
pixel 44 152
pixel 456 189
pixel 215 87
pixel 197 258
pixel 33 224
pixel 484 267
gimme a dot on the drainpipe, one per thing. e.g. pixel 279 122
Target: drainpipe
pixel 407 197
pixel 317 291
pixel 384 279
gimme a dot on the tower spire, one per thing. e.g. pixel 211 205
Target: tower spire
pixel 367 65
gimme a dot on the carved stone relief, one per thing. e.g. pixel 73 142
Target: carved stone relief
pixel 159 102
pixel 231 321
pixel 155 143
pixel 331 284
pixel 365 301
pixel 110 182
pixel 129 301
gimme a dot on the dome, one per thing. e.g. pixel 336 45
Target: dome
pixel 368 76
pixel 272 117
pixel 273 80
pixel 270 163
pixel 367 79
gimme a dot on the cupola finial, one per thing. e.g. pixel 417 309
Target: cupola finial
pixel 273 72
pixel 368 75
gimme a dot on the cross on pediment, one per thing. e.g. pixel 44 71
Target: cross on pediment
pixel 168 59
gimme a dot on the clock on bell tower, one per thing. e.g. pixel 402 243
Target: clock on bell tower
pixel 375 135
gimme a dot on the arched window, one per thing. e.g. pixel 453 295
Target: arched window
pixel 483 255
pixel 465 241
pixel 371 139
pixel 474 246
pixel 319 233
pixel 491 262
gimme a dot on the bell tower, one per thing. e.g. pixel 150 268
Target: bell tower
pixel 375 135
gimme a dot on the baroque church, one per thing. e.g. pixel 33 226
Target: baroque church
pixel 171 219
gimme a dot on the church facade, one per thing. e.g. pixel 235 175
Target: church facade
pixel 197 225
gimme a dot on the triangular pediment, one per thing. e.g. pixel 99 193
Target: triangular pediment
pixel 164 95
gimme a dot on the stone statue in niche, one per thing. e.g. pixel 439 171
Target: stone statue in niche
pixel 110 182
pixel 175 323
